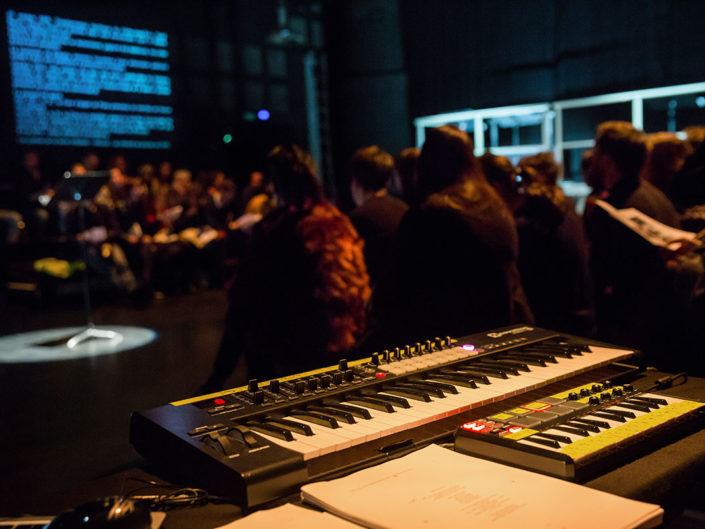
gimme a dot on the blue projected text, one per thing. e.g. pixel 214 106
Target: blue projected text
pixel 88 84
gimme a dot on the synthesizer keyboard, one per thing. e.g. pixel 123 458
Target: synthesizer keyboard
pixel 580 432
pixel 262 441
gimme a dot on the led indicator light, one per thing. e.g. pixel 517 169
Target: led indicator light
pixel 219 401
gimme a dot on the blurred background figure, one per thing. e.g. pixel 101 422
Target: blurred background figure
pixel 299 298
pixel 378 214
pixel 453 268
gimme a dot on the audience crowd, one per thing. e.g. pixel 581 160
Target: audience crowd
pixel 469 244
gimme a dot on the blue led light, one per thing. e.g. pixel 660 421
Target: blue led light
pixel 700 101
pixel 56 62
pixel 263 115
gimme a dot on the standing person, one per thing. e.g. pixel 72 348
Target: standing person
pixel 378 214
pixel 454 265
pixel 298 300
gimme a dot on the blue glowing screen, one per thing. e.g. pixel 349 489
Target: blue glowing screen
pixel 88 84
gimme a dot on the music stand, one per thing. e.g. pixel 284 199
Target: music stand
pixel 81 188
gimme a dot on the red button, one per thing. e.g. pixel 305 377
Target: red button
pixel 380 375
pixel 219 401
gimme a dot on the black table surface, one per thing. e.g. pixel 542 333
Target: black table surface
pixel 671 476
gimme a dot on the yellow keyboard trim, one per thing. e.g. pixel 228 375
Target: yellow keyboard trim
pixel 589 445
pixel 351 363
pixel 526 432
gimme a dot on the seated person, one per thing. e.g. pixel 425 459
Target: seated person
pixel 298 300
pixel 378 214
pixel 454 265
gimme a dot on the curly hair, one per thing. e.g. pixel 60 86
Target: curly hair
pixel 342 282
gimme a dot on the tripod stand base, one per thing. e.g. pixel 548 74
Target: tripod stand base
pixel 92 333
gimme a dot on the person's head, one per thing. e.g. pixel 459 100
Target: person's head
pixel 371 169
pixel 695 135
pixel 31 160
pixel 90 161
pixel 447 158
pixel 78 169
pixel 619 153
pixel 256 179
pixel 407 162
pixel 118 162
pixel 666 155
pixel 293 174
pixel 540 168
pixel 181 182
pixel 501 175
pixel 165 171
pixel 146 172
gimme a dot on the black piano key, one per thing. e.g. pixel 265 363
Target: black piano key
pixel 558 350
pixel 545 442
pixel 636 407
pixel 447 388
pixel 409 393
pixel 530 358
pixel 477 377
pixel 271 429
pixel 584 426
pixel 623 413
pixel 477 373
pixel 315 418
pixel 521 366
pixel 512 370
pixel 339 415
pixel 573 430
pixel 662 402
pixel 600 424
pixel 360 413
pixel 296 427
pixel 537 354
pixel 525 360
pixel 606 415
pixel 455 379
pixel 374 404
pixel 641 402
pixel 420 386
pixel 562 438
pixel 394 400
pixel 476 368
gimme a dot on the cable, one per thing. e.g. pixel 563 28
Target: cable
pixel 667 382
pixel 174 497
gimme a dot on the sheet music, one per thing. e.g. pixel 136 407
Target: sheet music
pixel 650 229
pixel 436 487
pixel 291 517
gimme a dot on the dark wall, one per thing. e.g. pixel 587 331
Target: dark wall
pixel 368 80
pixel 463 54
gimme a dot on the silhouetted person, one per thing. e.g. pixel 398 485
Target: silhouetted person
pixel 553 260
pixel 378 214
pixel 298 300
pixel 406 163
pixel 631 287
pixel 454 266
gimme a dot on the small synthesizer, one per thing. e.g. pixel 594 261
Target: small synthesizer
pixel 580 432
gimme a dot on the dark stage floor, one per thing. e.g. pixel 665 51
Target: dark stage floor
pixel 65 422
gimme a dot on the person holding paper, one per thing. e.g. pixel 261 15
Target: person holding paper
pixel 633 297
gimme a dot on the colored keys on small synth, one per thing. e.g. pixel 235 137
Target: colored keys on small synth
pixel 257 442
pixel 580 432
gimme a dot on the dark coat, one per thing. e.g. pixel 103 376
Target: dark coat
pixel 453 270
pixel 377 221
